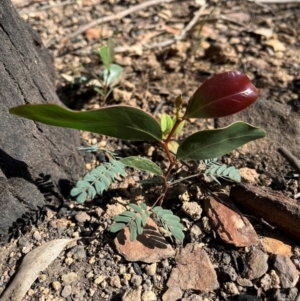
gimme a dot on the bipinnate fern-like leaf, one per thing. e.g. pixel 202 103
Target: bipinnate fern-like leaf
pixel 170 222
pixel 216 170
pixel 135 219
pixel 98 180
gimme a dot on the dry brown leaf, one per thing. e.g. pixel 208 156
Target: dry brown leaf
pixel 33 263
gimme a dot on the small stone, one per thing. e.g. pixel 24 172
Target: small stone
pixel 151 269
pixel 275 246
pixel 149 296
pixel 69 260
pixel 227 273
pixel 100 279
pixel 192 209
pixel 193 270
pixel 42 278
pixel 286 271
pixel 287 294
pixel 56 285
pixel 192 297
pixel 256 264
pixel 69 278
pixel 230 288
pixel 172 293
pixel 133 294
pixel 136 280
pixel 82 217
pixel 115 281
pixel 114 209
pixel 23 242
pixel 244 282
pixel 150 247
pixel 66 292
pixel 249 175
pixel 36 235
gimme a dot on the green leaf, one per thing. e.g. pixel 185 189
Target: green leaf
pixel 75 191
pixel 120 218
pixel 135 207
pixel 133 231
pixel 105 56
pixel 82 197
pixel 138 221
pixel 179 128
pixel 178 234
pixel 128 213
pixel 215 143
pixel 122 122
pixel 113 74
pixel 116 227
pixel 142 164
pixel 166 124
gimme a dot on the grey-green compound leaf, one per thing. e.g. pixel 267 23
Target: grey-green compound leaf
pixel 228 170
pixel 122 218
pixel 116 227
pixel 144 218
pixel 99 187
pixel 138 221
pixel 129 213
pixel 170 217
pixel 133 231
pixel 178 234
pixel 142 164
pixel 173 224
pixel 91 192
pixel 135 207
pixel 221 169
pixel 81 198
pixel 75 191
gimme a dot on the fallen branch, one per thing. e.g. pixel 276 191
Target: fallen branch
pixel 116 16
pixel 183 33
pixel 290 157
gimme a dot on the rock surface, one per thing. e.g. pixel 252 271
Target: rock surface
pixel 232 226
pixel 193 270
pixel 149 247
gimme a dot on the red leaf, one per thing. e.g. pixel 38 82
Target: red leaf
pixel 222 95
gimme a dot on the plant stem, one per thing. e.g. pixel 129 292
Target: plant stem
pixel 171 158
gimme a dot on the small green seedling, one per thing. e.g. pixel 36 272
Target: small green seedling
pixel 222 95
pixel 110 76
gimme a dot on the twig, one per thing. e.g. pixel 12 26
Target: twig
pixel 290 157
pixel 45 7
pixel 115 16
pixel 183 33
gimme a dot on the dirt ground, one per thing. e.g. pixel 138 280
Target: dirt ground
pixel 260 39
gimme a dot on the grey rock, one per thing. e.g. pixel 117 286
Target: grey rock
pixel 285 294
pixel 193 297
pixel 256 264
pixel 136 280
pixel 286 271
pixel 66 292
pixel 227 273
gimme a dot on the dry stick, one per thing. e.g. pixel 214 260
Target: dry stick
pixel 45 7
pixel 290 157
pixel 113 17
pixel 183 33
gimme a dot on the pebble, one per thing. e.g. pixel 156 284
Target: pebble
pixel 133 294
pixel 69 260
pixel 136 280
pixel 66 292
pixel 227 273
pixel 69 278
pixel 286 271
pixel 149 296
pixel 192 297
pixel 192 209
pixel 231 288
pixel 82 217
pixel 151 269
pixel 115 281
pixel 256 264
pixel 36 235
pixel 100 279
pixel 172 293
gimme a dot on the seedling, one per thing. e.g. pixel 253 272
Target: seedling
pixel 221 95
pixel 111 74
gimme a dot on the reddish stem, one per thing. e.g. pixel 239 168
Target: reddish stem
pixel 172 160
